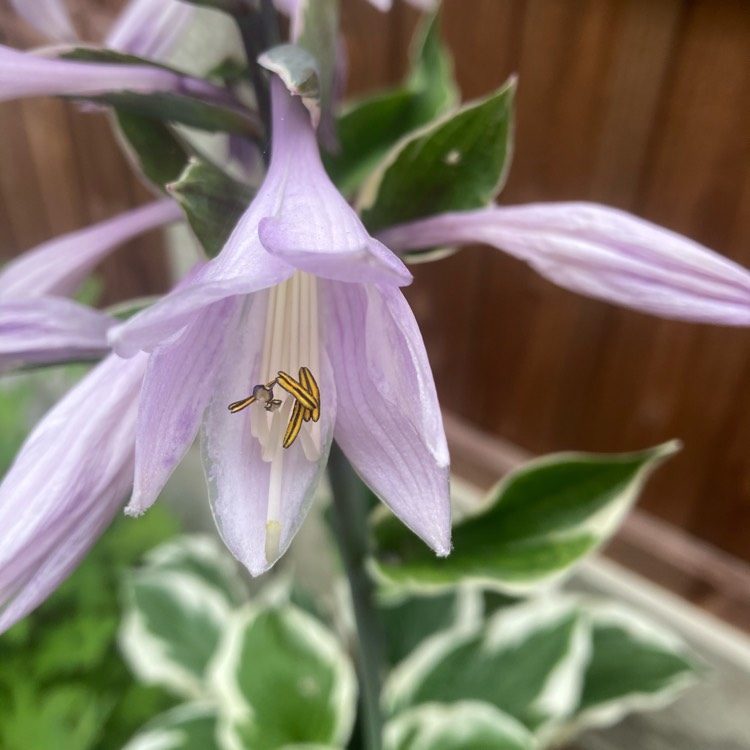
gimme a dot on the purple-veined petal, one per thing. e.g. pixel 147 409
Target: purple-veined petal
pixel 25 74
pixel 48 17
pixel 242 267
pixel 67 482
pixel 311 226
pixel 50 329
pixel 240 481
pixel 600 252
pixel 58 266
pixel 178 385
pixel 149 28
pixel 388 420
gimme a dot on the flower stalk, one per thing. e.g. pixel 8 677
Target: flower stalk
pixel 350 528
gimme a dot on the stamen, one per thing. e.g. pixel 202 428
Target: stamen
pixel 295 423
pixel 290 385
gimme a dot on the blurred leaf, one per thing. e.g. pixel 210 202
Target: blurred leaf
pixel 168 106
pixel 67 717
pixel 156 150
pixel 410 620
pixel 172 628
pixel 537 523
pixel 455 164
pixel 468 725
pixel 283 679
pixel 16 397
pixel 527 661
pixel 370 128
pixel 187 727
pixel 634 666
pixel 212 201
pixel 203 556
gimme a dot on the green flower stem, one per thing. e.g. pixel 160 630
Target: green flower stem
pixel 351 530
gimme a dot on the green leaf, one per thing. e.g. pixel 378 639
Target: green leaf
pixel 283 679
pixel 468 725
pixel 456 164
pixel 370 128
pixel 202 556
pixel 154 148
pixel 533 527
pixel 298 69
pixel 213 202
pixel 410 620
pixel 168 106
pixel 634 666
pixel 188 727
pixel 526 661
pixel 172 628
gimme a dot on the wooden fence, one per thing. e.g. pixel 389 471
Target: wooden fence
pixel 642 104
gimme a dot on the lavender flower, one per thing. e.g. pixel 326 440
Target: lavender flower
pixel 25 74
pixel 600 252
pixel 66 485
pixel 48 17
pixel 300 319
pixel 37 324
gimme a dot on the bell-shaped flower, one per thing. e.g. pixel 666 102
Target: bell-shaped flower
pixel 38 325
pixel 601 252
pixel 66 484
pixel 300 328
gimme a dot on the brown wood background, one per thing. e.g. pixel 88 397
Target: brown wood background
pixel 642 104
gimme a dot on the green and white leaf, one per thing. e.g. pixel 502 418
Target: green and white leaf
pixel 409 620
pixel 468 725
pixel 527 661
pixel 282 679
pixel 532 529
pixel 455 164
pixel 298 70
pixel 168 106
pixel 153 147
pixel 635 665
pixel 203 556
pixel 191 726
pixel 369 128
pixel 172 628
pixel 213 202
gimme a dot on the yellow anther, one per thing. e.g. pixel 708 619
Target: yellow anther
pixel 294 426
pixel 291 386
pixel 308 381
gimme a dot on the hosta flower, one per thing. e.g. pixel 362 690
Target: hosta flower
pixel 146 28
pixel 302 311
pixel 37 323
pixel 600 252
pixel 66 484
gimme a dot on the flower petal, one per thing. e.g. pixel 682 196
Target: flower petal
pixel 50 329
pixel 67 482
pixel 57 267
pixel 24 74
pixel 149 28
pixel 601 252
pixel 240 481
pixel 179 382
pixel 311 226
pixel 388 421
pixel 47 16
pixel 241 268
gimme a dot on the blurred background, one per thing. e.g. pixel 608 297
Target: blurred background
pixel 640 104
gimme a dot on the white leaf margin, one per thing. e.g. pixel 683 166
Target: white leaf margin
pixel 147 654
pixel 161 735
pixel 434 720
pixel 561 691
pixel 236 710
